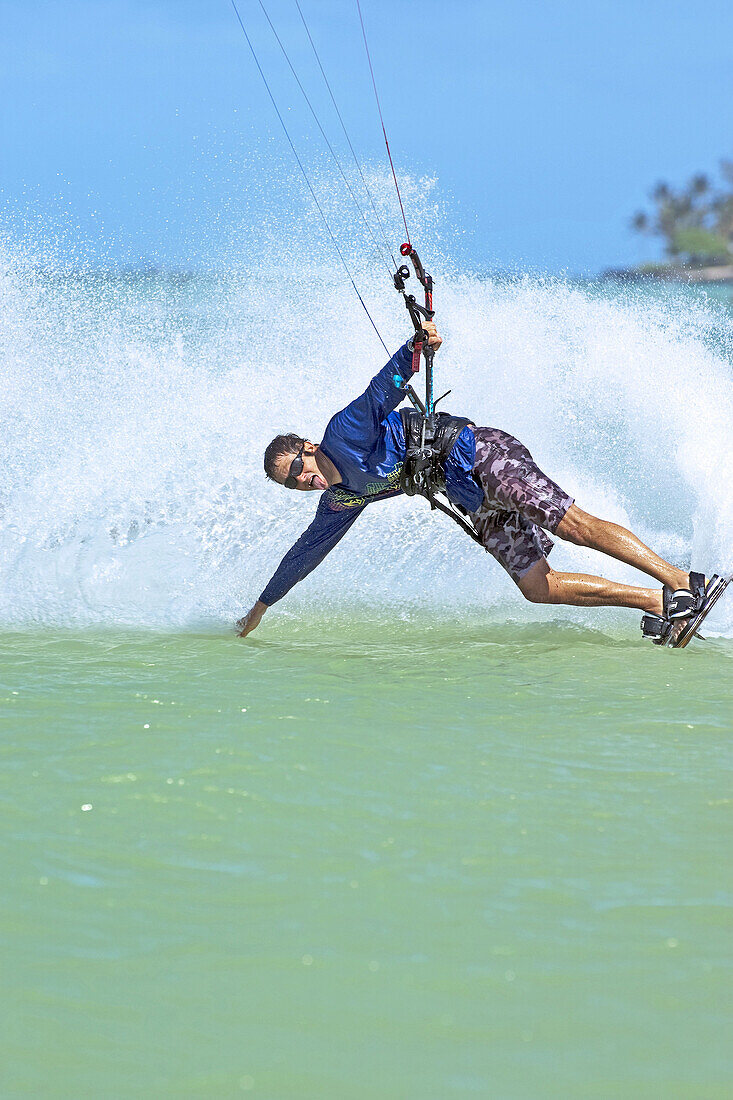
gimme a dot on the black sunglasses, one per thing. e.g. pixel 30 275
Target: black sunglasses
pixel 296 468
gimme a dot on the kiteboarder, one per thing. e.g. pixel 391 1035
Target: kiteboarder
pixel 490 477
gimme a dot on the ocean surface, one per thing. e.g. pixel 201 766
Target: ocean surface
pixel 414 838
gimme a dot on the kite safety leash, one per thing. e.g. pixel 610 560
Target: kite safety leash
pixel 418 314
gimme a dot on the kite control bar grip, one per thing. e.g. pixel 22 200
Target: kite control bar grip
pixel 407 250
pixel 419 315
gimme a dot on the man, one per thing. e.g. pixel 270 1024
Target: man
pixel 488 474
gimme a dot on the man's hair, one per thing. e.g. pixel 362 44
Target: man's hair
pixel 281 445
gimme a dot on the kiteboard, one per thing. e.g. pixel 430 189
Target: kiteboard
pixel 715 589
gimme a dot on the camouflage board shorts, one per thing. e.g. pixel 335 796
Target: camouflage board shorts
pixel 519 500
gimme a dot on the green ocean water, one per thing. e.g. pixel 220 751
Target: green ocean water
pixel 354 858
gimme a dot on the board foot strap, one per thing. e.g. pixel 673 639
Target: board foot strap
pixel 714 589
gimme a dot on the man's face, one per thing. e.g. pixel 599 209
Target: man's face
pixel 308 478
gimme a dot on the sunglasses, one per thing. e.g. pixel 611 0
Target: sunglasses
pixel 296 468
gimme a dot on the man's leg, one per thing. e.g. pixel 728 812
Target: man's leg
pixel 585 530
pixel 541 584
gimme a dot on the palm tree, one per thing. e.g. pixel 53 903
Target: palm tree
pixel 699 184
pixel 723 204
pixel 695 222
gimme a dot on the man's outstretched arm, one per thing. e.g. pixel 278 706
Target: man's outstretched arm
pixel 328 527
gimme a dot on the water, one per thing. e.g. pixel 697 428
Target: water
pixel 414 837
pixel 461 861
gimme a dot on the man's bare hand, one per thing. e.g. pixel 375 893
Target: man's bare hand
pixel 433 339
pixel 252 619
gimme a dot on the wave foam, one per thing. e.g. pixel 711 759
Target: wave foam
pixel 136 409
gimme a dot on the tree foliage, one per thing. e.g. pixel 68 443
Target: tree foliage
pixel 695 221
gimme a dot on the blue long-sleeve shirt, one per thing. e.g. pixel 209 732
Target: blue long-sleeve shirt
pixel 366 443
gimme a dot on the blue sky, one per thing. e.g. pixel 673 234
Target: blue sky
pixel 132 122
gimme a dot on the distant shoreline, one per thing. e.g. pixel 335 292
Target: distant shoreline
pixel 720 273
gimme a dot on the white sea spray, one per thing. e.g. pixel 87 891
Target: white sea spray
pixel 136 408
